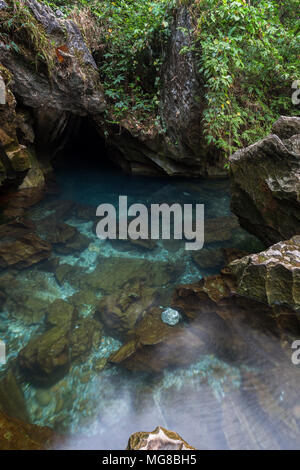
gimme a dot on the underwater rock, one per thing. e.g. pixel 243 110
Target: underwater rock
pixel 47 357
pixel 17 435
pixel 61 313
pixel 27 250
pixel 265 183
pixel 120 312
pixel 220 230
pixel 171 317
pixel 156 346
pixel 231 254
pixel 43 397
pixel 208 258
pixel 65 238
pixel 12 400
pixel 15 203
pixel 84 337
pixel 111 274
pixel 273 276
pixel 159 439
pixel 131 244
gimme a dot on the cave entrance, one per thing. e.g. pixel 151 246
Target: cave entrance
pixel 83 149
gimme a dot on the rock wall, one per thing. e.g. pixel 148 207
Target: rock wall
pixel 265 183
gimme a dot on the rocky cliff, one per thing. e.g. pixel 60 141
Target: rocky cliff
pixel 54 78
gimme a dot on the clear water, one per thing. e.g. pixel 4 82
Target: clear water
pixel 206 401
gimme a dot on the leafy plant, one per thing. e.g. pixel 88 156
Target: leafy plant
pixel 248 54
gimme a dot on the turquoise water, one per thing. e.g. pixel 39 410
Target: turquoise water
pixel 98 405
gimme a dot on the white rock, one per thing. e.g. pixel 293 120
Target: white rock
pixel 171 317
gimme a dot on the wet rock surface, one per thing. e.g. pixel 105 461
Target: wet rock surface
pixel 159 439
pixel 265 183
pixel 273 276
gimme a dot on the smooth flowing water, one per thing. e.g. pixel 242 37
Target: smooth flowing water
pixel 212 400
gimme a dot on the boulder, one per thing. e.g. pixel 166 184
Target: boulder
pixel 273 276
pixel 265 183
pixel 47 357
pixel 159 439
pixel 121 311
pixel 27 250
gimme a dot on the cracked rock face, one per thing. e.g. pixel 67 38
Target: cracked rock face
pixel 265 182
pixel 74 85
pixel 273 276
pixel 159 439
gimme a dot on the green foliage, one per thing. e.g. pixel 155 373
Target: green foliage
pixel 132 34
pixel 20 29
pixel 248 53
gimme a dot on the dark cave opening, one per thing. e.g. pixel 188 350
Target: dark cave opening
pixel 83 148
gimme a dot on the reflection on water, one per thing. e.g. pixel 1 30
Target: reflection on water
pixel 79 305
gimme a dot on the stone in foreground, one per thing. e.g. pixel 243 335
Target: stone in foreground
pixel 159 439
pixel 273 276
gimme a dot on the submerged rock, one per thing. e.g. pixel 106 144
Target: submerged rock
pixel 17 435
pixel 47 357
pixel 120 312
pixel 12 400
pixel 156 346
pixel 170 317
pixel 265 183
pixel 159 439
pixel 24 252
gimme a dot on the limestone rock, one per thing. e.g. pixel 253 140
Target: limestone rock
pixel 265 183
pixel 74 84
pixel 273 276
pixel 159 439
